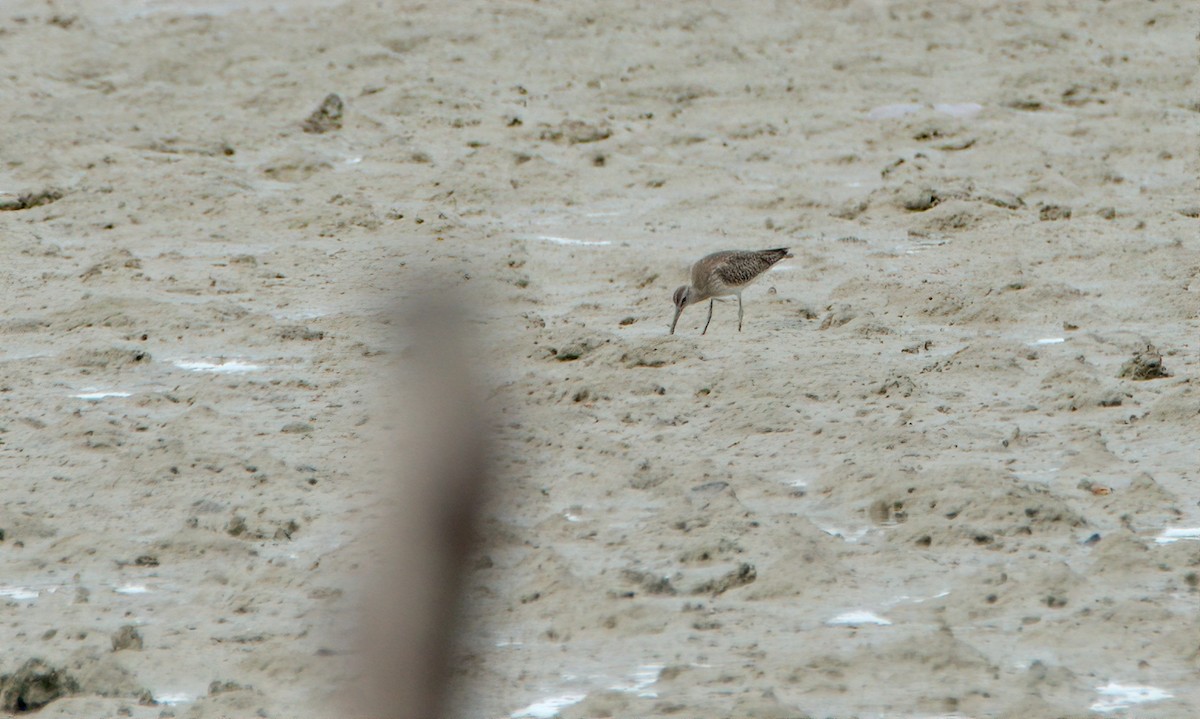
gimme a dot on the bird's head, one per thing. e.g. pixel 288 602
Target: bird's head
pixel 682 298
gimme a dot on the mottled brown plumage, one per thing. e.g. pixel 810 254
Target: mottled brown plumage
pixel 722 274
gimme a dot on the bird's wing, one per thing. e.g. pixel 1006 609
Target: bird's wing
pixel 739 268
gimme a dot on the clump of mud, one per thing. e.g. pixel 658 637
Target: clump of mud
pixel 743 575
pixel 107 357
pixel 576 132
pixel 1146 364
pixel 127 637
pixel 36 683
pixel 33 686
pixel 30 200
pixel 1054 213
pixel 327 116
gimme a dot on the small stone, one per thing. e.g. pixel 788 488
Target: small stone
pixel 297 428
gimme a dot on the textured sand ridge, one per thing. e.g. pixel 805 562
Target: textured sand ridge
pixel 947 469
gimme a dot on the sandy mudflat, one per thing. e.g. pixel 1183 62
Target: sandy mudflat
pixel 914 486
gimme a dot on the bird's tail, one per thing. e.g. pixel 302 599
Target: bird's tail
pixel 783 252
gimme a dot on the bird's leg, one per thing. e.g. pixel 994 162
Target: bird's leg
pixel 739 312
pixel 710 305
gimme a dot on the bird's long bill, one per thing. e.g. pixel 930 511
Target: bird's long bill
pixel 678 310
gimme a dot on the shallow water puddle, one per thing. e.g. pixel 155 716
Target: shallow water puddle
pixel 1171 535
pixel 858 618
pixel 32 593
pixel 20 594
pixel 297 315
pixel 917 247
pixel 799 487
pixel 939 595
pixel 850 537
pixel 94 395
pixel 568 240
pixel 219 365
pixel 549 707
pixel 1114 697
pixel 173 698
pixel 642 678
pixel 914 600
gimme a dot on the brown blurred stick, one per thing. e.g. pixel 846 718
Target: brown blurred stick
pixel 413 599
